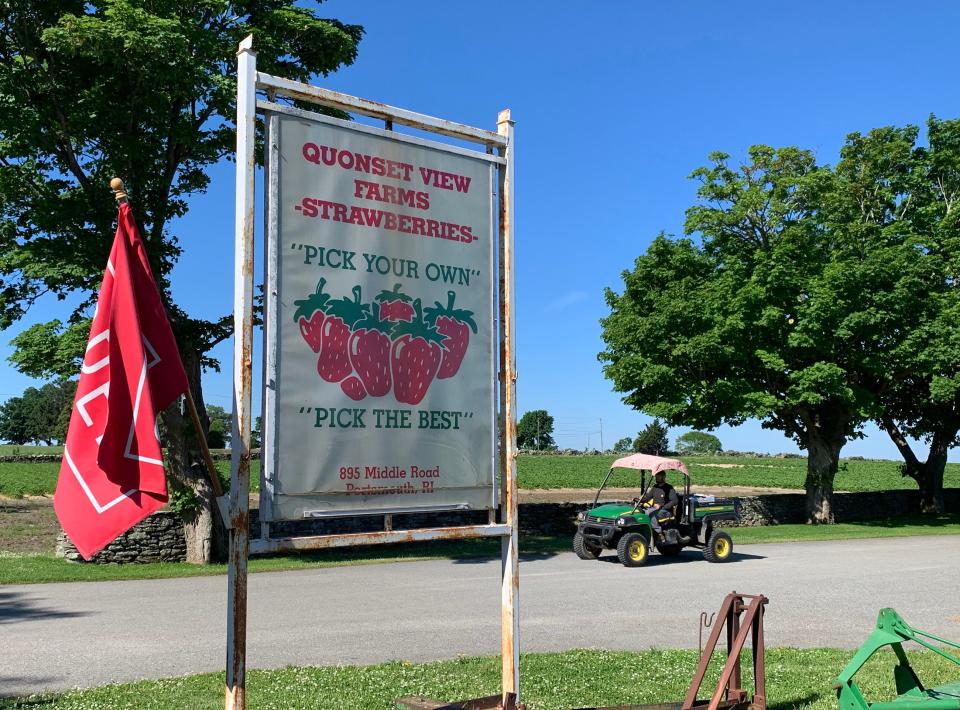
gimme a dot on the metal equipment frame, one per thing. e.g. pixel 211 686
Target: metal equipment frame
pixel 502 522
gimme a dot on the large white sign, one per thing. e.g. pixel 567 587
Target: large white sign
pixel 384 335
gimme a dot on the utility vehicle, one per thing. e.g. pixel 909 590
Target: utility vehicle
pixel 626 528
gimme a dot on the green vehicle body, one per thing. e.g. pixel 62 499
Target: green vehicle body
pixel 605 526
pixel 891 630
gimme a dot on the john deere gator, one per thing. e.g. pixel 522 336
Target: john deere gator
pixel 626 528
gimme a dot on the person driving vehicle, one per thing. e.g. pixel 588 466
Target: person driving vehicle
pixel 659 502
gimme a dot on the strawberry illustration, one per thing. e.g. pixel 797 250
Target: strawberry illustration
pixel 394 306
pixel 415 357
pixel 310 314
pixel 353 388
pixel 369 350
pixel 342 314
pixel 455 324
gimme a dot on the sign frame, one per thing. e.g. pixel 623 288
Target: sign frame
pixel 502 519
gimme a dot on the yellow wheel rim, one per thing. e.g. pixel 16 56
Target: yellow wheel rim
pixel 637 550
pixel 721 547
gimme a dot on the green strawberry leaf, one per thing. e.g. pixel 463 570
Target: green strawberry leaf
pixel 371 321
pixel 350 312
pixel 316 301
pixel 393 295
pixel 419 328
pixel 460 314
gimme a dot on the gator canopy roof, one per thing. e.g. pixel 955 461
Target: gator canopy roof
pixel 654 464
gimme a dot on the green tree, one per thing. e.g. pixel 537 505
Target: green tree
pixel 221 423
pixel 698 442
pixel 144 90
pixel 535 431
pixel 623 445
pixel 49 410
pixel 256 433
pixel 39 415
pixel 781 311
pixel 14 427
pixel 653 439
pixel 920 394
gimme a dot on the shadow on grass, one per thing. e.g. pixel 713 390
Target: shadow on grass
pixel 9 702
pixel 793 703
pixel 924 521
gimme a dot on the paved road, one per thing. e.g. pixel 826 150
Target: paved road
pixel 56 636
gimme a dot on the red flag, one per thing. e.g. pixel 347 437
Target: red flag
pixel 112 475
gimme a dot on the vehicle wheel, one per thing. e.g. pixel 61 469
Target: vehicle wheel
pixel 584 551
pixel 633 550
pixel 719 547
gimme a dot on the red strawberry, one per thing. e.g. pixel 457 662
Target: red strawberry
pixel 310 314
pixel 414 358
pixel 353 388
pixel 455 325
pixel 342 314
pixel 394 306
pixel 370 354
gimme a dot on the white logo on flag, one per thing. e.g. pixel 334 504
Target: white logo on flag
pixel 150 360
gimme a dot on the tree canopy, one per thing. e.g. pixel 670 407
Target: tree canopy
pixel 795 290
pixel 39 415
pixel 146 91
pixel 698 442
pixel 653 439
pixel 221 423
pixel 535 431
pixel 623 445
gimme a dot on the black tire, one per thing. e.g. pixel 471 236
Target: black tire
pixel 633 550
pixel 719 547
pixel 583 549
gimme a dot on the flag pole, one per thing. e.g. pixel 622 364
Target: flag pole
pixel 120 193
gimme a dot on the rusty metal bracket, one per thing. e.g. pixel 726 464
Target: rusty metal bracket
pixel 728 695
pixel 729 691
pixel 705 623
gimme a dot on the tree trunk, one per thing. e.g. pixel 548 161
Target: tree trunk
pixel 930 481
pixel 204 531
pixel 928 474
pixel 823 458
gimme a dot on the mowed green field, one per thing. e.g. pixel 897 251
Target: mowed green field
pixel 19 479
pixel 20 450
pixel 32 479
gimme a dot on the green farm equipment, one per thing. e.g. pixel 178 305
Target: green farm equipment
pixel 891 630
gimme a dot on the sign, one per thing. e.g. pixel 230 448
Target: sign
pixel 383 343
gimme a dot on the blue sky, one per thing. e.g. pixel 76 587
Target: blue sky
pixel 615 105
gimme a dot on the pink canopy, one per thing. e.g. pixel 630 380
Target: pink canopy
pixel 654 464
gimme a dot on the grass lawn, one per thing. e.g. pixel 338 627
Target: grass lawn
pixel 795 678
pixel 34 567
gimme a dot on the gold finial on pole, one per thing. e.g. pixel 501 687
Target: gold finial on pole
pixel 119 191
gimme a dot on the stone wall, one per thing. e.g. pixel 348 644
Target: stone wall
pixel 159 538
